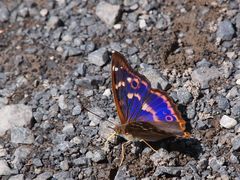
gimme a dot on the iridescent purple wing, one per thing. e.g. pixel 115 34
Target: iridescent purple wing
pixel 136 101
pixel 126 90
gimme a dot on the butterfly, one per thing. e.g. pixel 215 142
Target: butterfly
pixel 146 114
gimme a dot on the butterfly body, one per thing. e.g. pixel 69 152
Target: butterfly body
pixel 145 113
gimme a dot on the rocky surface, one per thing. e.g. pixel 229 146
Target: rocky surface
pixel 55 69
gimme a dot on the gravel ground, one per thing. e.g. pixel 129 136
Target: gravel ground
pixel 54 62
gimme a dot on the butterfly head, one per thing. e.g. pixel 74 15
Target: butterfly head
pixel 119 129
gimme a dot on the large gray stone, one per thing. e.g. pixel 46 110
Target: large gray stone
pixel 5 170
pixel 225 30
pixel 108 13
pixel 203 75
pixel 157 79
pixel 98 57
pixel 17 115
pixel 20 135
pixel 20 156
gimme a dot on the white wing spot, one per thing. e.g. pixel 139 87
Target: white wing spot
pixel 130 95
pixel 137 96
pixel 115 69
pixel 120 84
pixel 129 79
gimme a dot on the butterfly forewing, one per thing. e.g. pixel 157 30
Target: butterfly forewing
pixel 129 93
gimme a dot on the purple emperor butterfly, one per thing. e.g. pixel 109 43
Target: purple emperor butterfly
pixel 146 114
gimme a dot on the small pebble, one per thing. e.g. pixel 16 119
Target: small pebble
pixel 44 12
pixel 107 92
pixel 228 122
pixel 236 143
pixel 64 165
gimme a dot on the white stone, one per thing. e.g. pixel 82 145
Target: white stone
pixel 142 23
pixel 107 92
pixel 67 38
pixel 238 82
pixel 227 122
pixel 21 81
pixel 117 26
pixel 44 12
pixel 230 55
pixel 68 129
pixel 61 102
pixel 16 115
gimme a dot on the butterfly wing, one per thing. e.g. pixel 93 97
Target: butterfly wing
pixel 128 91
pixel 136 101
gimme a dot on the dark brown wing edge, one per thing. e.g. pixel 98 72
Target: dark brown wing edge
pixel 117 60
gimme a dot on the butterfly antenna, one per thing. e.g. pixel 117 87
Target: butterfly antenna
pixel 93 113
pixel 110 126
pixel 102 118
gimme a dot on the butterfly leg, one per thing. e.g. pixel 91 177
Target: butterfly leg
pixel 142 140
pixel 108 139
pixel 123 152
